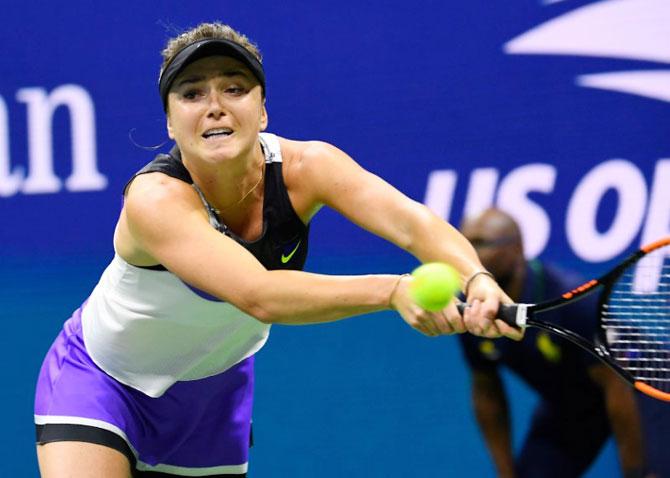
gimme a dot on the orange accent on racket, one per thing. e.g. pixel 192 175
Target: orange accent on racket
pixel 652 392
pixel 580 289
pixel 655 245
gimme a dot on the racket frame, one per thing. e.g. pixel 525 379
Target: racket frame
pixel 523 315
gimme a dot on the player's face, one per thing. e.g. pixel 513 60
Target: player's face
pixel 215 110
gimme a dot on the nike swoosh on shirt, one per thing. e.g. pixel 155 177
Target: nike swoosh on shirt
pixel 286 258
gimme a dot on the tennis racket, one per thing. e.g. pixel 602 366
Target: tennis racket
pixel 633 333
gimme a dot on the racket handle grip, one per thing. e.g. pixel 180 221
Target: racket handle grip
pixel 508 313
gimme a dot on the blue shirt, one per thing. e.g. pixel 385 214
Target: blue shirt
pixel 555 368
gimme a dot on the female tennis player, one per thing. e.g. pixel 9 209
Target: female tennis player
pixel 153 374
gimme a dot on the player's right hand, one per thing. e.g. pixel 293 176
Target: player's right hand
pixel 444 322
pixel 484 299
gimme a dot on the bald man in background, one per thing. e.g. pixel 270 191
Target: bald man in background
pixel 581 401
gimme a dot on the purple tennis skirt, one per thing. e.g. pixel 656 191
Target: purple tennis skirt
pixel 197 428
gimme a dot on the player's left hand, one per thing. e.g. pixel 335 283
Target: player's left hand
pixel 484 299
pixel 432 324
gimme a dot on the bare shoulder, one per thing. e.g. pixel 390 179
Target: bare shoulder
pixel 305 171
pixel 157 204
pixel 303 159
pixel 157 192
pixel 295 153
pixel 154 204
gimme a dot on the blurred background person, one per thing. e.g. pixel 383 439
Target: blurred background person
pixel 581 401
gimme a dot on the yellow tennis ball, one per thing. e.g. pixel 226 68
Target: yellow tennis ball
pixel 434 285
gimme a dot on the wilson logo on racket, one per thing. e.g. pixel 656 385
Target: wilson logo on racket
pixel 580 289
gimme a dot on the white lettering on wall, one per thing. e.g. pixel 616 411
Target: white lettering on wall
pixel 584 238
pixel 513 197
pixel 657 225
pixel 440 192
pixel 10 181
pixel 40 177
pixel 658 215
pixel 511 193
pixel 481 190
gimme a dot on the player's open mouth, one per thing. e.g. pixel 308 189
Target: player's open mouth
pixel 217 132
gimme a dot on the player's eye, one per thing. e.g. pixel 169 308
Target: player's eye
pixel 190 94
pixel 235 90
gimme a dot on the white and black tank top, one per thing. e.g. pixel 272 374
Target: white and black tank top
pixel 283 230
pixel 148 329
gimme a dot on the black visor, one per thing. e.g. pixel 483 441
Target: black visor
pixel 204 48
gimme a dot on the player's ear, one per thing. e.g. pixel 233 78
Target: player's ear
pixel 264 117
pixel 169 126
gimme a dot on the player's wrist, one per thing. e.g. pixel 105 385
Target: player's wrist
pixel 394 290
pixel 474 277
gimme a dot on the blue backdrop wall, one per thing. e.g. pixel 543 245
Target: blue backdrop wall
pixel 555 110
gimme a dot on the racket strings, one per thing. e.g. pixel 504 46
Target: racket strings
pixel 636 320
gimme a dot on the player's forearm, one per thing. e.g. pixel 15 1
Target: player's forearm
pixel 293 297
pixel 432 239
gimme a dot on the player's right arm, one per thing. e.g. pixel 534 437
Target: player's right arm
pixel 163 221
pixel 492 413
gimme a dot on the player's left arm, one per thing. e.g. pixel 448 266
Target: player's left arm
pixel 336 180
pixel 332 178
pixel 624 419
